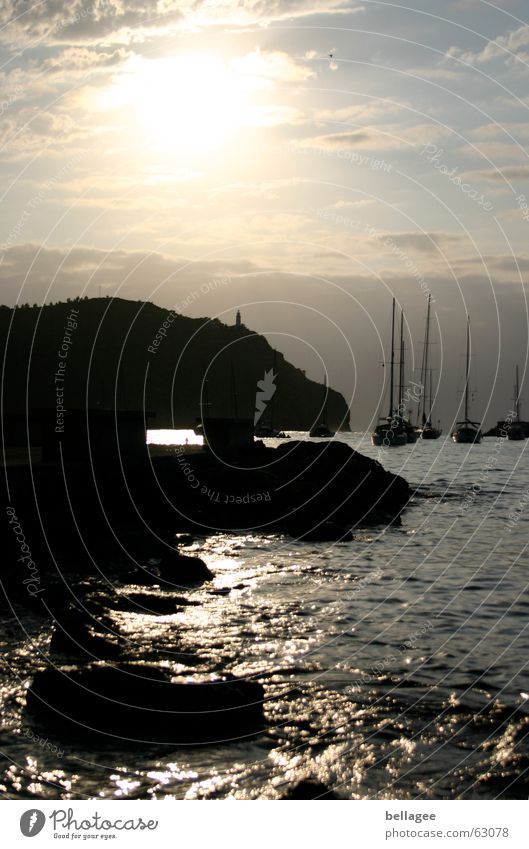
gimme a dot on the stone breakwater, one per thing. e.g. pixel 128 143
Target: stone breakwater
pixel 320 489
pixel 77 517
pixel 297 488
pixel 107 575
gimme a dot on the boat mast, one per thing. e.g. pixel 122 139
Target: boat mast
pixel 517 397
pixel 467 368
pixel 421 407
pixel 430 401
pixel 392 361
pixel 427 408
pixel 401 366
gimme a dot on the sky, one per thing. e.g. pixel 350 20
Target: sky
pixel 304 161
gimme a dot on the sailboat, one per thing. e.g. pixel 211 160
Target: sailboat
pixel 516 430
pixel 391 433
pixel 411 434
pixel 467 431
pixel 321 431
pixel 427 431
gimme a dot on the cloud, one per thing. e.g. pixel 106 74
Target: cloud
pixel 508 172
pixel 425 242
pixel 501 130
pixel 363 113
pixel 511 47
pixel 346 204
pixel 131 274
pixel 380 137
pixel 164 279
pixel 76 76
pixel 89 21
pixel 508 263
pixel 83 59
pixel 83 21
pixel 266 189
pixel 444 74
pixel 272 66
pixel 340 141
pixel 36 130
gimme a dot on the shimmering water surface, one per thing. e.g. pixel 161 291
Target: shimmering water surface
pixel 395 665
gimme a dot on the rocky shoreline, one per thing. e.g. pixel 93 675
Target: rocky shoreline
pixel 100 542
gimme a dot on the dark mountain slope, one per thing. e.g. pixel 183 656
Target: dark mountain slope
pixel 108 354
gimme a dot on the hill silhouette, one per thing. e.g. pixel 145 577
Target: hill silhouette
pixel 111 352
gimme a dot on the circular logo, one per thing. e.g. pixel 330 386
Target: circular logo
pixel 32 822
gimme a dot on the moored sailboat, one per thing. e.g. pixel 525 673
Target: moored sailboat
pixel 516 431
pixel 467 431
pixel 411 433
pixel 427 430
pixel 391 432
pixel 321 430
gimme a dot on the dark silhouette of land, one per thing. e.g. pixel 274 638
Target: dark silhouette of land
pixel 112 353
pixel 95 526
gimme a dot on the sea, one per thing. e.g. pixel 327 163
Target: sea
pixel 395 666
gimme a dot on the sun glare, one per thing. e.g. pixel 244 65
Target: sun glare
pixel 190 103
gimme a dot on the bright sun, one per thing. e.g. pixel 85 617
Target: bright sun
pixel 190 103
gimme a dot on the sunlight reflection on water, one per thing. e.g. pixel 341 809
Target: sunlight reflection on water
pixel 395 665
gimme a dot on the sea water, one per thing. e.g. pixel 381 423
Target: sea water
pixel 395 666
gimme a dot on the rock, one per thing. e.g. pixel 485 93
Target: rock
pixel 295 485
pixel 141 704
pixel 183 539
pixel 83 641
pixel 176 570
pixel 78 633
pixel 309 789
pixel 330 482
pixel 298 484
pixel 151 604
pixel 184 569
